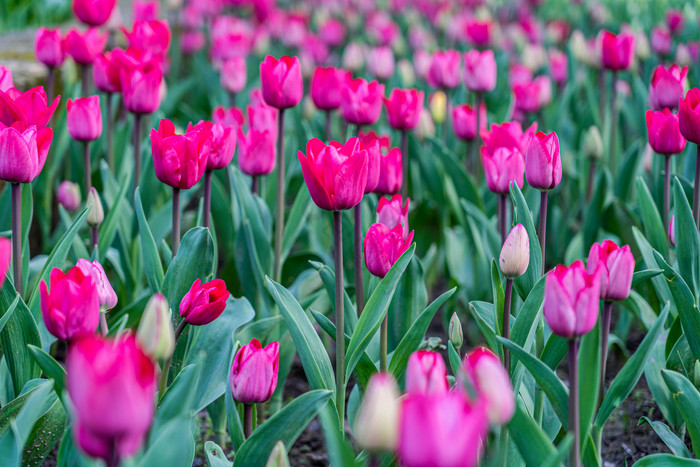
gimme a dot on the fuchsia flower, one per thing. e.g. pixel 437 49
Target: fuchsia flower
pixel 559 66
pixel 501 167
pixel 93 12
pixel 21 158
pixel 71 305
pixel 141 77
pixel 383 246
pixel 29 107
pixel 85 47
pixel 478 33
pixel 84 118
pixel 426 373
pixel 68 195
pixel 179 160
pixel 445 67
pixel 5 257
pixel 543 161
pixel 381 62
pixel 689 116
pixel 361 101
pixel 480 71
pixel 48 47
pixel 666 87
pixel 519 74
pixel 106 73
pixel 112 385
pixel 151 36
pixel 148 10
pixel 233 74
pixel 661 41
pixel 664 132
pixel 492 383
pixel 203 303
pixel 326 87
pixel 332 32
pixel 393 212
pixel 256 152
pixel 616 269
pixel 571 297
pixel 527 96
pixel 509 135
pixel 221 144
pixel 373 160
pixel 617 51
pixel 403 108
pixel 105 292
pixel 262 117
pixel 6 82
pixel 253 376
pixel 675 21
pixel 231 117
pixel 464 121
pixel 335 174
pixel 281 81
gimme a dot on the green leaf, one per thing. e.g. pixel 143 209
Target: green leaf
pixel 485 320
pixel 674 443
pixel 498 297
pixel 596 207
pixel 589 380
pixel 659 391
pixel 554 351
pixel 108 228
pixel 522 215
pixel 687 240
pixel 50 367
pixel 454 359
pixel 8 313
pixel 286 426
pixel 151 259
pixel 312 353
pixel 173 444
pixel 215 455
pixel 687 399
pixel 178 400
pixel 194 260
pixel 296 219
pixel 653 226
pixel 233 418
pixel 526 321
pixel 374 312
pixel 328 278
pixel 533 444
pixel 641 276
pixel 628 376
pixel 665 460
pixel 46 433
pixel 563 450
pixel 660 284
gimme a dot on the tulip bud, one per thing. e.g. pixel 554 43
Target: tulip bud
pixel 408 76
pixel 155 332
pixel 455 331
pixel 68 195
pixel 515 253
pixel 438 107
pixel 278 456
pixel 96 214
pixel 426 127
pixel 376 428
pixel 593 143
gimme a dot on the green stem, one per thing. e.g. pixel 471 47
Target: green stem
pixel 604 333
pixel 542 228
pixel 696 190
pixel 613 121
pixel 404 161
pixel 506 321
pixel 110 132
pixel 339 320
pixel 667 191
pixel 383 344
pixel 279 212
pixel 207 199
pixel 166 364
pixel 176 221
pixel 137 151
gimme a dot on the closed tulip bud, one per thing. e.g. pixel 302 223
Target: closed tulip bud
pixel 406 73
pixel 377 425
pixel 68 195
pixel 278 456
pixel 571 297
pixel 492 383
pixel 85 47
pixel 426 373
pixel 464 121
pixel 155 332
pixel 335 174
pixel 593 143
pixel 111 384
pixel 381 62
pixel 5 256
pixel 515 253
pixel 689 116
pixel 617 51
pixel 616 269
pixel 666 87
pixel 84 118
pixel 480 71
pixel 203 303
pixel 256 152
pixel 353 57
pixel 390 172
pixel 438 107
pixel 180 160
pixel 233 74
pixel 403 108
pixel 48 47
pixel 672 230
pixel 253 376
pixel 282 85
pixel 456 334
pixel 361 101
pixel 326 87
pixel 445 68
pixel 105 292
pixel 383 247
pixel 393 212
pixel 70 305
pixel 93 12
pixel 96 214
pixel 661 41
pixel 426 126
pixel 664 132
pixel 543 161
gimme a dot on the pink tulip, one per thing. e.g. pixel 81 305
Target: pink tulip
pixel 519 74
pixel 253 376
pixel 5 257
pixel 501 167
pixel 6 82
pixel 233 74
pixel 527 97
pixel 464 121
pixel 192 41
pixel 689 116
pixel 281 81
pixel 381 62
pixel 421 63
pixel 361 101
pixel 616 269
pixel 559 67
pixel 480 71
pixel 29 107
pixel 492 383
pixel 666 87
pixel 85 47
pixel 515 253
pixel 48 47
pixel 571 297
pixel 373 168
pixel 179 160
pixel 262 117
pixel 93 12
pixel 332 31
pixel 403 108
pixel 105 292
pixel 478 33
pixel 148 10
pixel 335 174
pixel 445 69
pixel 393 212
pixel 543 161
pixel 112 385
pixel 220 146
pixel 68 195
pixel 23 152
pixel 326 87
pixel 141 85
pixel 84 118
pixel 383 246
pixel 256 152
pixel 390 172
pixel 441 429
pixel 203 303
pixel 661 41
pixel 151 36
pixel 509 135
pixel 675 21
pixel 231 117
pixel 664 132
pixel 616 51
pixel 426 373
pixel 71 305
pixel 106 73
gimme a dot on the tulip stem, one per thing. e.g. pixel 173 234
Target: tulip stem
pixel 696 192
pixel 542 228
pixel 49 84
pixel 162 386
pixel 506 321
pixel 328 126
pixel 231 99
pixel 86 166
pixel 247 420
pixel 575 457
pixel 667 190
pixel 207 199
pixel 85 72
pixel 17 236
pixel 339 320
pixel 404 161
pixel 254 185
pixel 613 121
pixel 601 102
pixel 110 132
pixel 113 460
pixel 359 285
pixel 137 151
pixel 591 180
pixel 502 216
pixel 383 337
pixel 95 238
pixel 103 323
pixel 176 220
pixel 279 212
pixel 604 333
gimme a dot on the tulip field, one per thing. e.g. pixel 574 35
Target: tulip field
pixel 412 233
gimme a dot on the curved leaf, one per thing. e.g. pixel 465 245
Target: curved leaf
pixel 687 399
pixel 665 460
pixel 522 215
pixel 533 444
pixel 687 240
pixel 674 443
pixel 151 258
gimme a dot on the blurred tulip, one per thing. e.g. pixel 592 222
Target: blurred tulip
pixel 586 51
pixel 155 332
pixel 464 121
pixel 234 74
pixel 281 81
pixel 383 246
pixel 20 159
pixel 332 32
pixel 106 73
pixel 421 63
pixel 666 87
pixel 141 86
pixel 426 373
pixel 179 160
pixel 571 297
pixel 675 21
pixel 593 143
pixel 6 81
pixel 256 152
pixel 515 253
pixel 559 66
pixel 263 117
pixel 145 10
pixel 30 108
pixel 393 212
pixel 480 71
pixel 150 36
pixel 70 305
pixel 5 257
pixel 353 57
pixel 616 269
pixel 381 62
pixel 527 97
pixel 664 132
pixel 105 292
pixel 48 47
pixel 231 117
pixel 203 303
pixel 377 425
pixel 437 103
pixel 478 33
pixel 221 143
pixel 326 87
pixel 501 167
pixel 403 108
pixel 85 47
pixel 96 215
pixel 509 135
pixel 661 41
pixel 68 195
pixel 390 172
pixel 617 51
pixel 426 126
pixel 361 101
pixel 371 145
pixel 192 41
pixel 253 376
pixel 93 12
pixel 84 118
pixel 445 68
pixel 689 116
pixel 492 383
pixel 543 161
pixel 406 73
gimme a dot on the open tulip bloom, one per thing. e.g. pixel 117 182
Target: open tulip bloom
pixel 689 126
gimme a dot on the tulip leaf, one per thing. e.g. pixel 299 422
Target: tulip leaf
pixel 296 219
pixel 47 431
pixel 687 240
pixel 641 276
pixel 554 351
pixel 178 399
pixel 556 459
pixel 108 228
pixel 653 225
pixel 589 380
pixel 312 353
pixel 687 399
pixel 485 320
pixel 533 444
pixel 628 376
pixel 286 426
pixel 340 452
pixel 665 460
pixel 328 277
pixel 660 284
pixel 522 215
pixel 215 455
pixel 674 443
pixel 172 444
pixel 596 207
pixel 525 323
pixel 51 368
pixel 152 264
pixel 412 339
pixel 374 312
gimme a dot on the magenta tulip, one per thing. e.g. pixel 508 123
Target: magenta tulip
pixel 140 82
pixel 403 108
pixel 381 62
pixel 480 71
pixel 231 117
pixel 203 303
pixel 106 73
pixel 84 118
pixel 559 66
pixel 105 292
pixel 70 305
pixel 93 12
pixel 84 47
pixel 262 117
pixel 147 10
pixel 221 143
pixel 616 269
pixel 30 107
pixel 68 195
pixel 666 87
pixel 256 152
pixel 661 41
pixel 509 135
pixel 390 172
pixel 571 297
pixel 616 51
pixel 48 47
pixel 21 159
pixel 361 101
pixel 675 21
pixel 503 166
pixel 393 212
pixel 426 373
pixel 179 160
pixel 664 132
pixel 6 82
pixel 383 246
pixel 492 383
pixel 371 145
pixel 234 74
pixel 543 161
pixel 444 69
pixel 150 36
pixel 253 376
pixel 281 81
pixel 464 121
pixel 326 87
pixel 689 116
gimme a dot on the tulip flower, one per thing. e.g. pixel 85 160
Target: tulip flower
pixel 426 373
pixel 326 89
pixel 381 62
pixel 559 67
pixel 377 425
pixel 444 71
pixel 6 82
pixel 361 101
pixel 480 71
pixel 441 429
pixel 232 117
pixel 21 159
pixel 454 332
pixel 149 36
pixel 50 50
pixel 393 212
pixel 617 51
pixel 68 195
pixel 203 303
pixel 262 117
pixel 390 173
pixel 84 120
pixel 508 135
pixel 84 47
pixel 106 72
pixel 675 21
pixel 96 215
pixel 403 109
pixel 233 77
pixel 105 292
pixel 31 108
pixel 383 246
pixel 689 126
pixel 353 57
pixel 253 376
pixel 256 154
pixel 155 332
pixel 464 121
pixel 93 12
pixel 661 41
pixel 147 10
pixel 5 257
pixel 70 305
pixel 371 143
pixel 666 87
pixel 111 384
pixel 501 167
pixel 492 383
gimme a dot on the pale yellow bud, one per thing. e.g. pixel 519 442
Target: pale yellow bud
pixel 155 332
pixel 96 214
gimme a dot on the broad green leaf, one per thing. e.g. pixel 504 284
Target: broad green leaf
pixel 454 359
pixel 178 400
pixel 340 452
pixel 51 368
pixel 641 276
pixel 151 259
pixel 657 386
pixel 596 207
pixel 562 453
pixel 687 240
pixel 533 444
pixel 484 316
pixel 172 444
pixel 526 321
pixel 8 312
pixel 554 351
pixel 296 219
pixel 674 443
pixel 47 431
pixel 653 226
pixel 215 455
pixel 659 282
pixel 665 460
pixel 233 418
pixel 328 278
pixel 108 228
pixel 522 215
pixel 687 399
